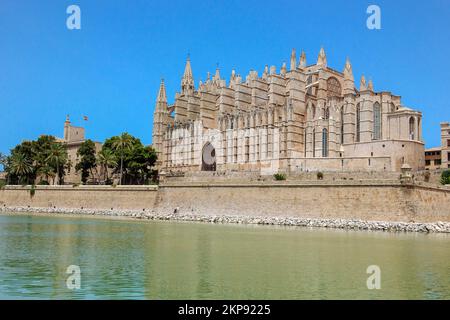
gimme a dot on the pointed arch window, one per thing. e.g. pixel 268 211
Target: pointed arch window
pixel 376 121
pixel 358 123
pixel 412 128
pixel 333 87
pixel 342 125
pixel 324 143
pixel 308 82
pixel 326 113
pixel 314 143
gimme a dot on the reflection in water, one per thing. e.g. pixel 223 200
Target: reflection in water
pixel 167 260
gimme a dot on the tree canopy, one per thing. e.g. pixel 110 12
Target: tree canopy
pixel 88 161
pixel 44 157
pixel 136 160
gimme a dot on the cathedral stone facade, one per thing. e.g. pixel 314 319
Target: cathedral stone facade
pixel 305 118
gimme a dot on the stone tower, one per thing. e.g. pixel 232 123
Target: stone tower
pixel 159 121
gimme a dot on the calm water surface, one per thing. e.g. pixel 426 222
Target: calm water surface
pixel 167 260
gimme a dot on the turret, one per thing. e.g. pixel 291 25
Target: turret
pixel 66 128
pixel 160 121
pixel 349 82
pixel 293 60
pixel 370 85
pixel 302 62
pixel 322 58
pixel 187 82
pixel 362 84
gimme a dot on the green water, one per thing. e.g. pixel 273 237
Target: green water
pixel 166 260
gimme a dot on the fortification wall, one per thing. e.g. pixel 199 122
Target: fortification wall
pixel 376 200
pixel 95 197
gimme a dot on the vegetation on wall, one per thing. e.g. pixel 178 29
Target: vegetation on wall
pixel 445 177
pixel 279 176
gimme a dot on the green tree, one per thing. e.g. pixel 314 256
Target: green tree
pixel 57 157
pixel 87 162
pixel 46 156
pixel 122 144
pixel 48 172
pixel 20 166
pixel 22 156
pixel 106 159
pixel 140 163
pixel 445 177
pixel 3 160
pixel 136 160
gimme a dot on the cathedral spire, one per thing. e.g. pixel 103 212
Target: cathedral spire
pixel 362 84
pixel 348 72
pixel 293 59
pixel 349 82
pixel 283 69
pixel 370 85
pixel 187 83
pixel 302 62
pixel 322 59
pixel 217 75
pixel 162 97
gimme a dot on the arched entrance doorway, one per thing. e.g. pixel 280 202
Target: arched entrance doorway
pixel 208 157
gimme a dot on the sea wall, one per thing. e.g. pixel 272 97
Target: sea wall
pixel 94 197
pixel 365 200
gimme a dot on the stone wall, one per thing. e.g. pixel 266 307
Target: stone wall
pixel 366 200
pixel 95 197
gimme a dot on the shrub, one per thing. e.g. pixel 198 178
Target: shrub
pixel 319 175
pixel 445 177
pixel 279 176
pixel 32 190
pixel 2 184
pixel 426 176
pixel 43 183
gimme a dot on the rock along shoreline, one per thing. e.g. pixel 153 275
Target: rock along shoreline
pixel 346 224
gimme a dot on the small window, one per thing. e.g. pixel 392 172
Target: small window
pixel 324 143
pixel 358 123
pixel 427 162
pixel 376 121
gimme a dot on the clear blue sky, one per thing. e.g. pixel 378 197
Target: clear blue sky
pixel 110 69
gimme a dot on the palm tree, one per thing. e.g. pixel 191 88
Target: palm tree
pixel 20 166
pixel 123 143
pixel 57 156
pixel 106 159
pixel 47 171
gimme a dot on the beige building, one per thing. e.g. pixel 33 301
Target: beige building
pixel 439 157
pixel 73 138
pixel 307 117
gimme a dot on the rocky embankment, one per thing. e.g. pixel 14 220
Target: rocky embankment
pixel 441 227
